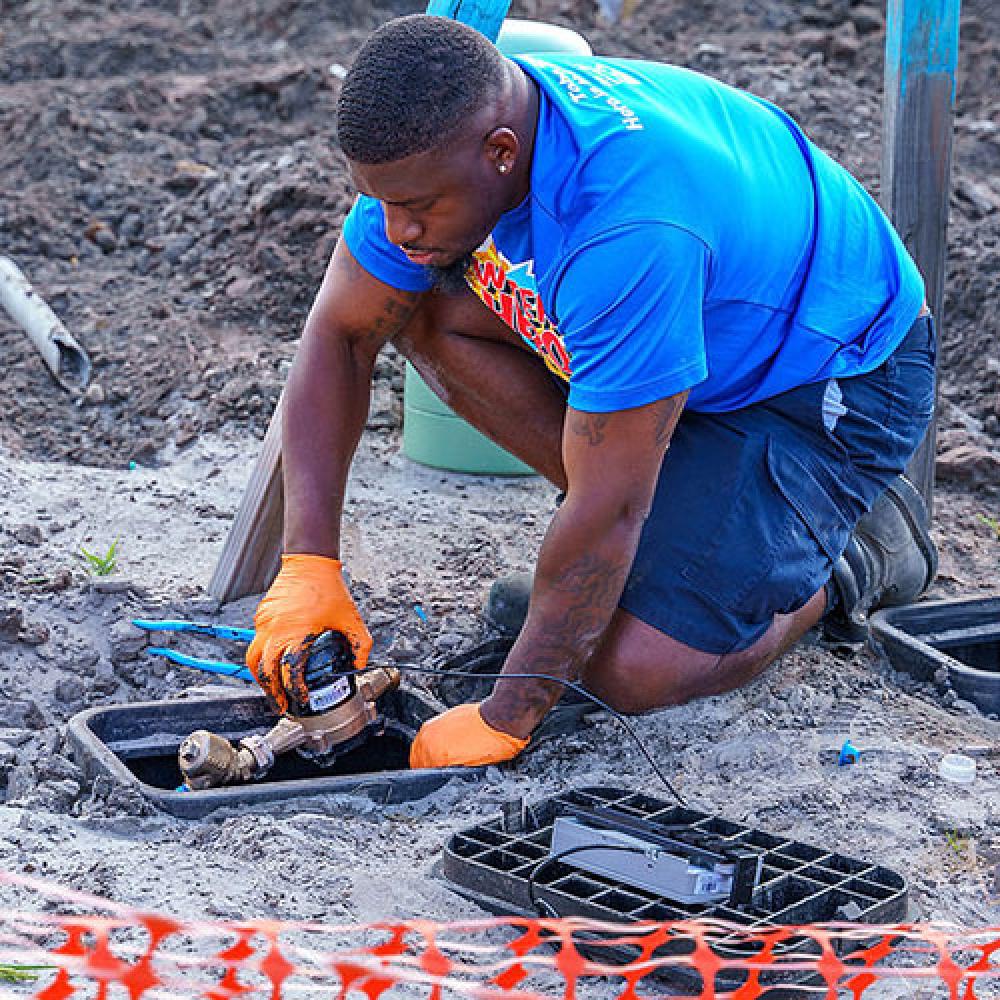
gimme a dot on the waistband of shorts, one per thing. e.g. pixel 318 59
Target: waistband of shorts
pixel 921 335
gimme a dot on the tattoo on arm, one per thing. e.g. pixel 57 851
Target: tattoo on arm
pixel 593 426
pixel 582 593
pixel 391 318
pixel 590 588
pixel 590 426
pixel 391 313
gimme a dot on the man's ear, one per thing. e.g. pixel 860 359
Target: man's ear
pixel 502 147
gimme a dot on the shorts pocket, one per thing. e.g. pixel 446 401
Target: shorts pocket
pixel 779 540
pixel 802 488
pixel 914 382
pixel 821 531
pixel 777 527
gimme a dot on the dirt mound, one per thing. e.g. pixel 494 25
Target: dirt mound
pixel 174 191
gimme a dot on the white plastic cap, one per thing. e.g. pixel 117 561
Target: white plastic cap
pixel 958 768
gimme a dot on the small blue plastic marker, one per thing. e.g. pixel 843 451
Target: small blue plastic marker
pixel 849 754
pixel 420 613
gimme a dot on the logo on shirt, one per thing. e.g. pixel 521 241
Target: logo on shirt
pixel 580 90
pixel 511 292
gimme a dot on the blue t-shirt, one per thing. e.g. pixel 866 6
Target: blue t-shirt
pixel 679 234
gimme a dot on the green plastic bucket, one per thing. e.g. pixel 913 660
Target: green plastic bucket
pixel 433 434
pixel 519 37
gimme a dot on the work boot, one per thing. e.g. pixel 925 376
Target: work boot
pixel 890 560
pixel 507 604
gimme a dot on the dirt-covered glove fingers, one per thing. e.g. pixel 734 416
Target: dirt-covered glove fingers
pixel 361 642
pixel 265 665
pixel 292 672
pixel 461 736
pixel 308 597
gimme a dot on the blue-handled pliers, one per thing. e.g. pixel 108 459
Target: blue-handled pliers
pixel 199 628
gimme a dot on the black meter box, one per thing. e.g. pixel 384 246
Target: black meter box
pixel 136 745
pixel 618 855
pixel 957 640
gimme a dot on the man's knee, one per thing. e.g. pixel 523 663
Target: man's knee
pixel 638 669
pixel 440 318
pixel 617 687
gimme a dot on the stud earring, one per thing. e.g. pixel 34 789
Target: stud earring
pixel 502 167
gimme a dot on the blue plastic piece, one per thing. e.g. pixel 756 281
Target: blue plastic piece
pixel 208 666
pixel 230 632
pixel 849 754
pixel 197 628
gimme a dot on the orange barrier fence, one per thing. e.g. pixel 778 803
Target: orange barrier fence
pixel 86 947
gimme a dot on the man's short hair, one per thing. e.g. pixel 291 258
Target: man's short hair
pixel 413 83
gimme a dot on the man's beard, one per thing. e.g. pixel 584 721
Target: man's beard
pixel 450 279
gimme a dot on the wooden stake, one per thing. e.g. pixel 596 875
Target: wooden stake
pixel 252 553
pixel 921 52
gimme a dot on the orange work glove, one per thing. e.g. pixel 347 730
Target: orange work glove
pixel 308 597
pixel 462 736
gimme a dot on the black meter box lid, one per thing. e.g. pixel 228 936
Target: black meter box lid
pixel 613 854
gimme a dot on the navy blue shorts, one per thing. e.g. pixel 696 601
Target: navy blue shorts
pixel 753 507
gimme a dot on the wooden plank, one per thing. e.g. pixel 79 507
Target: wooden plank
pixel 921 53
pixel 252 552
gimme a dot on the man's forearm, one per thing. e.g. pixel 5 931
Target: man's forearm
pixel 325 409
pixel 327 396
pixel 582 568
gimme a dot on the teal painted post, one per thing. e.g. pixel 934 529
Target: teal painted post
pixel 921 53
pixel 483 15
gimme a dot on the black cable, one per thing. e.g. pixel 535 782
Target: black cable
pixel 536 903
pixel 571 685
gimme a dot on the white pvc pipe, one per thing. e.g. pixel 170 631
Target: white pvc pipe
pixel 66 359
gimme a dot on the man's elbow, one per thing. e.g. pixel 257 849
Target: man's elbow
pixel 627 513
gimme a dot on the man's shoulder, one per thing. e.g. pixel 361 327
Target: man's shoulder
pixel 605 138
pixel 585 84
pixel 570 69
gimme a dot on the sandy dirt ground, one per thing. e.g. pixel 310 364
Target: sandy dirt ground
pixel 172 189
